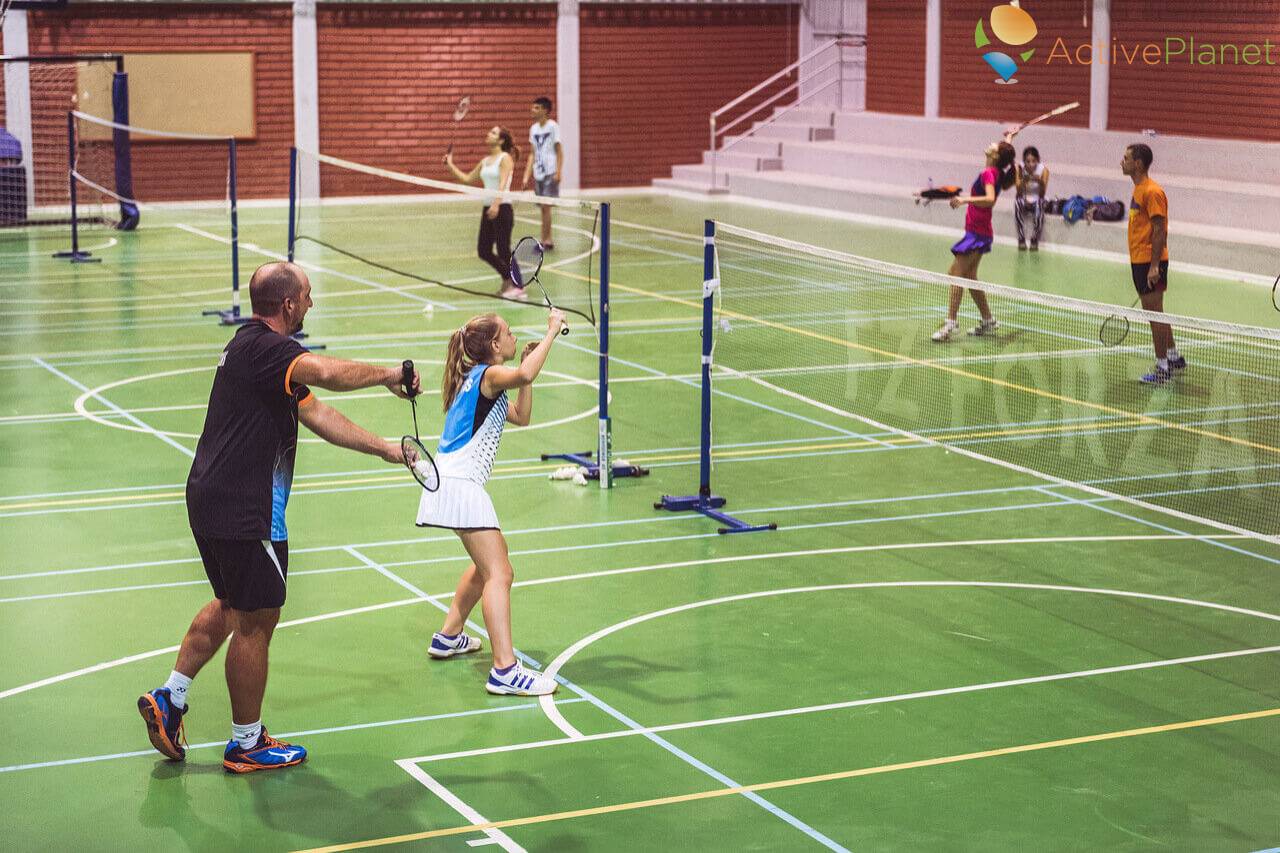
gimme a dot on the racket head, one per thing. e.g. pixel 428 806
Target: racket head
pixel 1114 330
pixel 1274 303
pixel 526 262
pixel 419 462
pixel 463 106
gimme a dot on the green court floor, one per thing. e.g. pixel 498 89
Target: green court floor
pixel 930 652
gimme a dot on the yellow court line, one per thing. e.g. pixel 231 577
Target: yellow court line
pixel 791 783
pixel 958 371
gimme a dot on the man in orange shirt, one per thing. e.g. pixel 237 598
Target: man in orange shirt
pixel 1149 256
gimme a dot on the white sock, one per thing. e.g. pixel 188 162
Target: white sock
pixel 247 735
pixel 1162 363
pixel 177 685
pixel 1173 354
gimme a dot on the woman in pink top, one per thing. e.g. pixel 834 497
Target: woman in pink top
pixel 978 234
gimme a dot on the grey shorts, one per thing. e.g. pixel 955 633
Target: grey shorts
pixel 549 187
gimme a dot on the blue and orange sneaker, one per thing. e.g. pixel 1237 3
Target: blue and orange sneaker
pixel 267 754
pixel 164 723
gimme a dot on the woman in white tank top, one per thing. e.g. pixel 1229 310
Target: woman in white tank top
pixel 493 244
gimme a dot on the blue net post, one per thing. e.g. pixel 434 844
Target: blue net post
pixel 704 501
pixel 601 467
pixel 293 201
pixel 129 214
pixel 75 255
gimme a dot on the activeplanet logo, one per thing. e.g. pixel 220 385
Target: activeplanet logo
pixel 1011 26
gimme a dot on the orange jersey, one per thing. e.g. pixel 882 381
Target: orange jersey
pixel 1148 201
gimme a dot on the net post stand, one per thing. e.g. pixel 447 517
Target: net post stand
pixel 75 255
pixel 602 468
pixel 704 501
pixel 231 316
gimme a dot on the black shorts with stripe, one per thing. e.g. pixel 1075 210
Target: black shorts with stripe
pixel 248 574
pixel 1140 272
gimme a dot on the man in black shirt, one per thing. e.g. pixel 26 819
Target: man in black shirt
pixel 236 496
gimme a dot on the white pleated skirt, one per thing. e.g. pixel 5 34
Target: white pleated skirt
pixel 457 504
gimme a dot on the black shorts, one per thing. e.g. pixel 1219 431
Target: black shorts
pixel 1140 278
pixel 248 574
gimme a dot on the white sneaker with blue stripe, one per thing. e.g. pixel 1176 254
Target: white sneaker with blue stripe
pixel 518 681
pixel 443 646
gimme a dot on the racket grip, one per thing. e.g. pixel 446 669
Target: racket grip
pixel 564 328
pixel 406 376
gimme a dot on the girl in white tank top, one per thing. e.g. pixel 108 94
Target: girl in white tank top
pixel 493 243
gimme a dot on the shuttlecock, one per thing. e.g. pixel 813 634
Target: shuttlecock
pixel 429 308
pixel 423 467
pixel 580 478
pixel 566 472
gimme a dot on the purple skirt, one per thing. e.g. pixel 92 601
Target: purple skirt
pixel 971 242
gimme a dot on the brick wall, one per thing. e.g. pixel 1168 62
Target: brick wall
pixel 651 75
pixel 895 56
pixel 1228 100
pixel 165 171
pixel 391 78
pixel 969 89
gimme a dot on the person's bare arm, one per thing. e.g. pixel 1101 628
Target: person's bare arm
pixel 559 161
pixel 336 428
pixel 988 200
pixel 335 374
pixel 471 177
pixel 499 377
pixel 1159 239
pixel 521 414
pixel 1044 183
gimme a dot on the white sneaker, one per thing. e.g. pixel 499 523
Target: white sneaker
pixel 443 646
pixel 948 329
pixel 519 681
pixel 986 327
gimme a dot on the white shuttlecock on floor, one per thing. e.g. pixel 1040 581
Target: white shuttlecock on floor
pixel 580 477
pixel 566 472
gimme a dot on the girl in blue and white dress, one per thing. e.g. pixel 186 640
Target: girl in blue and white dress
pixel 476 381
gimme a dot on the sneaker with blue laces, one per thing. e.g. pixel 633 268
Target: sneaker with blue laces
pixel 1158 376
pixel 267 754
pixel 518 681
pixel 164 723
pixel 443 646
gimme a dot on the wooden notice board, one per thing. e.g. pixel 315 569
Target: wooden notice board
pixel 205 92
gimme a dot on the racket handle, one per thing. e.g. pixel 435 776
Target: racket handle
pixel 406 376
pixel 564 328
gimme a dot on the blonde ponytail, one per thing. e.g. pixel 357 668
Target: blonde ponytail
pixel 468 347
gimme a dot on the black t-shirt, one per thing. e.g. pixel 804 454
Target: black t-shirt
pixel 243 470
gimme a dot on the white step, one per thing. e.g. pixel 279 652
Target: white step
pixel 734 159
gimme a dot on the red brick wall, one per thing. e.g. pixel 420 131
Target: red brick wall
pixel 968 87
pixel 1232 101
pixel 651 75
pixel 895 56
pixel 391 77
pixel 165 171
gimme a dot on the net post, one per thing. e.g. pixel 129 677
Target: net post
pixel 604 449
pixel 704 501
pixel 293 200
pixel 235 231
pixel 75 255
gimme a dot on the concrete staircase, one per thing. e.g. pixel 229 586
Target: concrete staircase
pixel 1224 193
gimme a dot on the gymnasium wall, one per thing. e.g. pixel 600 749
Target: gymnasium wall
pixel 1234 101
pixel 165 171
pixel 895 56
pixel 391 78
pixel 652 74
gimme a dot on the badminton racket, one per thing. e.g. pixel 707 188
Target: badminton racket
pixel 416 457
pixel 1057 111
pixel 526 263
pixel 458 115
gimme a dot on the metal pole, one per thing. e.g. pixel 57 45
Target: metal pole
pixel 604 450
pixel 71 184
pixel 235 231
pixel 293 199
pixel 709 287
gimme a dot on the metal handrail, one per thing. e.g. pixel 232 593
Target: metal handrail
pixel 717 132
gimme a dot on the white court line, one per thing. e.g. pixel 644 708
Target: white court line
pixel 853 703
pixel 493 836
pixel 142 427
pixel 458 804
pixel 91 759
pixel 556 665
